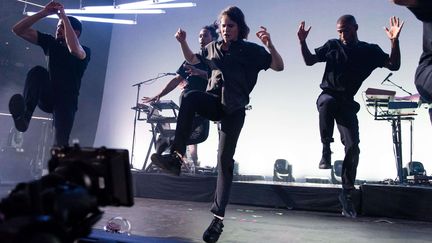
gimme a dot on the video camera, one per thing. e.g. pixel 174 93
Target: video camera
pixel 63 205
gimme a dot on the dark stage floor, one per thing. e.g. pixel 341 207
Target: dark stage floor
pixel 158 220
pixel 155 220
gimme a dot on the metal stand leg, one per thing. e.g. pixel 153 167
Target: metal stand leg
pixel 152 143
pixel 397 141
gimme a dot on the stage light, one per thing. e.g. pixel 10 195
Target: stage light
pixel 137 6
pixel 141 4
pixel 336 172
pixel 114 11
pixel 415 168
pixel 93 19
pixel 282 171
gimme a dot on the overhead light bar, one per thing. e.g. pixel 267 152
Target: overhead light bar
pixel 92 19
pixel 141 6
pixel 30 3
pixel 114 11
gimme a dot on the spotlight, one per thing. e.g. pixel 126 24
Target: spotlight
pixel 282 171
pixel 336 172
pixel 414 168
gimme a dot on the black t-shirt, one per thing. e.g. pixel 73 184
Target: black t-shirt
pixel 234 73
pixel 348 66
pixel 65 70
pixel 193 82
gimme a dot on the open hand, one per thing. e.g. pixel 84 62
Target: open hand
pixel 264 36
pixel 302 33
pixel 150 99
pixel 395 27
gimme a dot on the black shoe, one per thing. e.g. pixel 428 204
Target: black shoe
pixel 17 110
pixel 325 162
pixel 170 163
pixel 213 232
pixel 348 209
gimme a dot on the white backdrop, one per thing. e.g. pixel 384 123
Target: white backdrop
pixel 283 122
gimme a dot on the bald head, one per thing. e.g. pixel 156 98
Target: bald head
pixel 347 19
pixel 347 29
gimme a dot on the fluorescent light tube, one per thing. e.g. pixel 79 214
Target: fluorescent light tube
pixel 142 6
pixel 114 11
pixel 93 19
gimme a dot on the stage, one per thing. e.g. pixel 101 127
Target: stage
pixel 173 221
pixel 176 209
pixel 378 200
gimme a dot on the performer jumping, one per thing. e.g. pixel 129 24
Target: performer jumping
pixel 349 62
pixel 235 64
pixel 422 9
pixel 54 90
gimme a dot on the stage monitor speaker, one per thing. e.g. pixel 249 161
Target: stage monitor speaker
pixel 23 156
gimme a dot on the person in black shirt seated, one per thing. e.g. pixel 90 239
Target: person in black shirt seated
pixel 54 90
pixel 349 62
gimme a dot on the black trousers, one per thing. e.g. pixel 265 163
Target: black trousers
pixel 38 91
pixel 423 76
pixel 344 112
pixel 209 106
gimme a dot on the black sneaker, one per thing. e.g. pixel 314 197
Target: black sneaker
pixel 325 162
pixel 17 110
pixel 170 163
pixel 213 232
pixel 348 209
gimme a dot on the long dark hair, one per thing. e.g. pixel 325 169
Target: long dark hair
pixel 236 15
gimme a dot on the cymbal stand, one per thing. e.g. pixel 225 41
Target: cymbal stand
pixel 137 110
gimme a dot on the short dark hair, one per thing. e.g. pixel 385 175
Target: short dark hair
pixel 75 23
pixel 236 15
pixel 348 19
pixel 213 29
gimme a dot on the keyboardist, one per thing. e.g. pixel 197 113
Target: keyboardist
pixel 190 78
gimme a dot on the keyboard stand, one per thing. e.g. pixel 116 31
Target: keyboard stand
pixel 160 125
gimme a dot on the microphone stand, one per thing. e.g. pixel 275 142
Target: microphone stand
pixel 400 87
pixel 397 140
pixel 137 110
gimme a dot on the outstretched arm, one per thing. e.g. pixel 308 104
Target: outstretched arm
pixel 277 63
pixel 413 3
pixel 193 71
pixel 393 34
pixel 71 38
pixel 168 88
pixel 309 58
pixel 190 57
pixel 24 27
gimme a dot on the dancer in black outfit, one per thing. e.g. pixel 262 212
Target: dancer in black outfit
pixel 235 64
pixel 349 62
pixel 422 9
pixel 54 90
